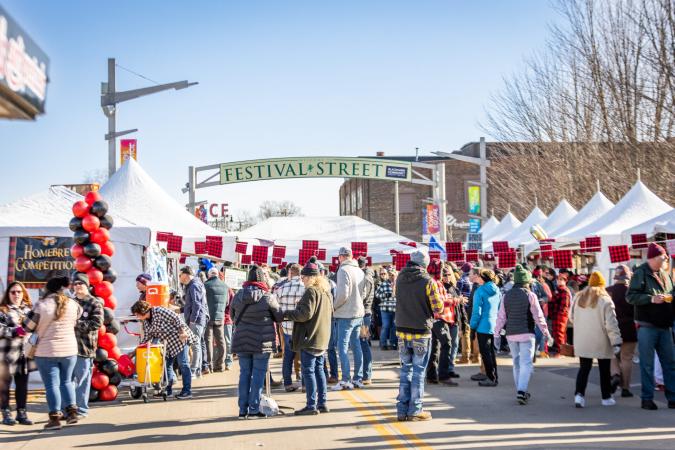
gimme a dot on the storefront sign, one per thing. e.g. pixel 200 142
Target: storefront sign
pixel 23 71
pixel 314 167
pixel 474 200
pixel 474 225
pixel 128 149
pixel 218 210
pixel 34 260
pixel 433 220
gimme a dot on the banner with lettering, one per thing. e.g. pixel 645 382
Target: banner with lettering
pixel 34 260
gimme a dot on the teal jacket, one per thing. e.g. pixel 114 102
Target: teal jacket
pixel 485 308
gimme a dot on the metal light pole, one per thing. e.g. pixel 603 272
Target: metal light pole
pixel 110 97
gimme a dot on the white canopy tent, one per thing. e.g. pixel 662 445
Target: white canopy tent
pixel 665 223
pixel 562 214
pixel 507 225
pixel 597 206
pixel 134 194
pixel 489 226
pixel 522 233
pixel 331 232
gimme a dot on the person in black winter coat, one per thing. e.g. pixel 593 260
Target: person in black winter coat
pixel 254 311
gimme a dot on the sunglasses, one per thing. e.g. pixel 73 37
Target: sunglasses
pixel 79 283
pixel 16 292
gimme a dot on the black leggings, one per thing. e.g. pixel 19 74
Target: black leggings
pixel 487 352
pixel 20 393
pixel 585 365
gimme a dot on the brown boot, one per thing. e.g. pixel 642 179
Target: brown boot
pixel 462 361
pixel 71 415
pixel 53 423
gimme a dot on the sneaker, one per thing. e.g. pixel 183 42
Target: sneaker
pixel 479 377
pixel 307 412
pixel 276 383
pixel 332 380
pixel 522 398
pixel 206 371
pixel 402 418
pixel 649 405
pixel 420 417
pixel 367 382
pixel 242 416
pixel 292 387
pixel 256 416
pixel 358 384
pixel 487 383
pixel 454 375
pixel 183 396
pixel 608 401
pixel 323 409
pixel 449 382
pixel 579 401
pixel 342 386
pixel 625 393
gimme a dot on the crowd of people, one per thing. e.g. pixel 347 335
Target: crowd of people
pixel 435 314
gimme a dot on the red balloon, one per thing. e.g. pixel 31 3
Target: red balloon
pixel 99 236
pixel 110 302
pixel 107 248
pixel 101 331
pixel 95 276
pixel 107 342
pixel 83 264
pixel 104 289
pixel 80 209
pixel 91 197
pixel 76 250
pixel 108 394
pixel 115 353
pixel 90 223
pixel 99 381
pixel 125 366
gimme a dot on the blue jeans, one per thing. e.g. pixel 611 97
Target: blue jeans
pixel 652 339
pixel 287 364
pixel 227 332
pixel 197 348
pixel 332 350
pixel 365 349
pixel 522 354
pixel 57 375
pixel 348 337
pixel 252 370
pixel 388 330
pixel 82 382
pixel 185 372
pixel 414 357
pixel 315 379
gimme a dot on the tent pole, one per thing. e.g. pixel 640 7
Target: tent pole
pixel 396 207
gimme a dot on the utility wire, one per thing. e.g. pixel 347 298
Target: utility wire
pixel 136 73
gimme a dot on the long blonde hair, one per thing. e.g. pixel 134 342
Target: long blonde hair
pixel 319 282
pixel 590 295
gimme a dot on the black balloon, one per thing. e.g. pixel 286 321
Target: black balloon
pixel 93 395
pixel 75 224
pixel 116 379
pixel 81 237
pixel 99 208
pixel 110 275
pixel 108 316
pixel 103 263
pixel 106 222
pixel 109 367
pixel 92 250
pixel 113 327
pixel 101 355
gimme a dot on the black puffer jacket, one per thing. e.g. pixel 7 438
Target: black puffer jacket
pixel 254 312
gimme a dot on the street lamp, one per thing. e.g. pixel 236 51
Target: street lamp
pixel 109 100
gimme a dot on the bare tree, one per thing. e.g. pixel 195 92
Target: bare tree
pixel 243 219
pixel 99 176
pixel 285 208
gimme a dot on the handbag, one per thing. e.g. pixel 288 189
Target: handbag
pixel 30 347
pixel 567 350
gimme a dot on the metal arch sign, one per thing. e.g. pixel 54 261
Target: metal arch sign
pixel 314 167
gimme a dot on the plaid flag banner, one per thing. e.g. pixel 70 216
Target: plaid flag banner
pixel 457 257
pixel 582 246
pixel 214 247
pixel 500 247
pixel 619 253
pixel 393 252
pixel 174 244
pixel 335 261
pixel 434 254
pixel 471 255
pixel 321 254
pixel 401 260
pixel 279 251
pixel 246 260
pixel 333 267
pixel 639 241
pixel 453 247
pixel 594 244
pixel 304 254
pixel 506 260
pixel 310 245
pixel 488 256
pixel 283 264
pixel 163 236
pixel 182 259
pixel 259 254
pixel 276 261
pixel 241 247
pixel 369 261
pixel 546 251
pixel 359 249
pixel 562 259
pixel 200 248
pixel 214 238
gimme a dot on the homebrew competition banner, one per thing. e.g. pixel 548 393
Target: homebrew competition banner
pixel 314 167
pixel 34 260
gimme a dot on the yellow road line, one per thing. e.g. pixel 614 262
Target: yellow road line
pixel 371 417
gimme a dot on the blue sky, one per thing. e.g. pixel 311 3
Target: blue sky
pixel 276 78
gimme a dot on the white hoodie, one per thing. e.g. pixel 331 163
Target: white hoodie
pixel 349 292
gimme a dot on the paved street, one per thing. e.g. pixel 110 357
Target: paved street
pixel 465 417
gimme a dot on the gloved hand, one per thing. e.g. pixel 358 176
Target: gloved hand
pixel 19 332
pixel 617 350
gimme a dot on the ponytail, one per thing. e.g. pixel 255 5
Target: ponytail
pixel 61 305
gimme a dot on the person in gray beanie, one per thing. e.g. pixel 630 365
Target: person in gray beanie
pixel 418 298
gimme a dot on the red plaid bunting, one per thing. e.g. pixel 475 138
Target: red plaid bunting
pixel 241 247
pixel 409 243
pixel 214 247
pixel 472 255
pixel 259 254
pixel 453 247
pixel 547 240
pixel 369 261
pixel 488 256
pixel 393 252
pixel 335 261
pixel 310 245
pixel 456 257
pixel 401 260
pixel 246 260
pixel 434 254
pixel 639 241
pixel 619 253
pixel 594 244
pixel 562 259
pixel 321 254
pixel 333 267
pixel 276 260
pixel 214 238
pixel 174 244
pixel 200 248
pixel 506 260
pixel 182 259
pixel 359 249
pixel 546 251
pixel 304 254
pixel 283 264
pixel 500 247
pixel 163 236
pixel 582 246
pixel 279 251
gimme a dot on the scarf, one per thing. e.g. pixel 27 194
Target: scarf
pixel 258 284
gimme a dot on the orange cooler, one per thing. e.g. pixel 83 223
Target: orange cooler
pixel 157 294
pixel 151 357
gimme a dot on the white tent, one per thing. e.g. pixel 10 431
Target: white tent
pixel 522 233
pixel 134 194
pixel 562 214
pixel 331 232
pixel 595 208
pixel 665 223
pixel 487 229
pixel 508 223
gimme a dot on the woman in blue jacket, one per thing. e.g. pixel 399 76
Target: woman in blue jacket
pixel 483 320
